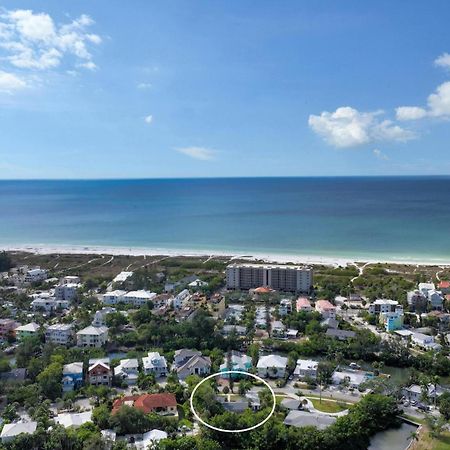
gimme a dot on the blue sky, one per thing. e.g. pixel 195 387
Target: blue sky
pixel 107 89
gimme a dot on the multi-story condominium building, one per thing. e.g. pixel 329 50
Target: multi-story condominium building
pixel 306 368
pixel 417 301
pixel 24 331
pixel 325 308
pixel 383 305
pixel 155 363
pixel 66 291
pixel 279 277
pixel 92 336
pixel 7 328
pixel 72 376
pixel 99 372
pixel 59 333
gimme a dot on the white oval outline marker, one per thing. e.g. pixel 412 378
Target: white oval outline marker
pixel 232 431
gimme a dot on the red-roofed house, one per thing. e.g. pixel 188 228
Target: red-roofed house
pixel 444 287
pixel 303 304
pixel 164 403
pixel 263 290
pixel 325 308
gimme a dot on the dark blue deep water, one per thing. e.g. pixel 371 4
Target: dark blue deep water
pixel 386 217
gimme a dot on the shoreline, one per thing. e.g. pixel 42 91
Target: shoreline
pixel 46 249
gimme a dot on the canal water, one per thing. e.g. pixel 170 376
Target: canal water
pixel 393 439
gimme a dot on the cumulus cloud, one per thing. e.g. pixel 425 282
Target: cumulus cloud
pixel 148 119
pixel 201 153
pixel 410 113
pixel 380 155
pixel 443 61
pixel 348 127
pixel 11 83
pixel 33 41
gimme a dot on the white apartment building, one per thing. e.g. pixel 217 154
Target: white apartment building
pixel 155 363
pixel 59 333
pixel 113 297
pixel 138 298
pixel 67 291
pixel 35 275
pixel 92 336
pixel 278 277
pixel 384 305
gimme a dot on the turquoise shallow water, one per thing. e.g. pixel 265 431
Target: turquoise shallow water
pixel 392 217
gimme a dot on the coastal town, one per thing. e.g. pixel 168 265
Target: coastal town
pixel 101 352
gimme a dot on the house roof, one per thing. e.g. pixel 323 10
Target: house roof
pixel 31 327
pixel 73 419
pixel 14 429
pixel 76 367
pixel 303 419
pixel 324 304
pixel 93 331
pixel 146 402
pixel 444 285
pixel 197 360
pixel 263 290
pixel 272 361
pixel 334 332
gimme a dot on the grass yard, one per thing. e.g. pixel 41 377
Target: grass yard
pixel 328 406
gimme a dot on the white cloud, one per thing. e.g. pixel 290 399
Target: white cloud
pixel 443 60
pixel 410 113
pixel 201 153
pixel 33 41
pixel 10 82
pixel 439 101
pixel 148 119
pixel 144 86
pixel 380 155
pixel 348 127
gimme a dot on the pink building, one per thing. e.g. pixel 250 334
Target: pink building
pixel 303 304
pixel 325 308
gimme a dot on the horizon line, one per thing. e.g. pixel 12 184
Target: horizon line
pixel 228 177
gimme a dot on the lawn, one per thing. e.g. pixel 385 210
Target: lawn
pixel 426 442
pixel 327 406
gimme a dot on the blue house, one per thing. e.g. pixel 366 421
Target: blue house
pixel 72 376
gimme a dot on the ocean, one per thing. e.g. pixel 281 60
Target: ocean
pixel 386 218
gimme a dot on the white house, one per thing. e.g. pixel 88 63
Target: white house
pixel 60 333
pixel 272 366
pixel 49 304
pixel 179 301
pixel 113 297
pixel 285 307
pixel 92 336
pixel 354 378
pixel 197 284
pixel 73 419
pixel 325 308
pixel 155 363
pixel 11 430
pixel 128 370
pixel 425 287
pixel 424 341
pixel 138 298
pixel 35 275
pixel 435 299
pixel 278 330
pixel 414 393
pixel 100 316
pixel 384 305
pixel 66 291
pixel 306 368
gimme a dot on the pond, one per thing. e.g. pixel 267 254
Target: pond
pixel 394 438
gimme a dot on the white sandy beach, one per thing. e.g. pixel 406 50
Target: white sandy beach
pixel 44 249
